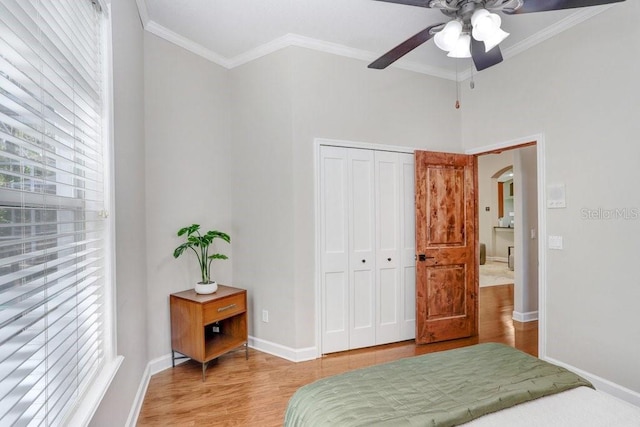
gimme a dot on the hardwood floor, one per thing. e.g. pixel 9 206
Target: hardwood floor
pixel 255 392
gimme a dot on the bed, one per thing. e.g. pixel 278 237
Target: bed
pixel 482 385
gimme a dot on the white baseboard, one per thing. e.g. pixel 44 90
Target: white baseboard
pixel 161 363
pixel 292 354
pixel 528 316
pixel 132 419
pixel 602 384
pixel 497 259
pixel 153 367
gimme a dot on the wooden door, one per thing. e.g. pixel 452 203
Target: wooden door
pixel 446 242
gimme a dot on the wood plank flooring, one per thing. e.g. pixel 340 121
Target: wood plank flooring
pixel 255 392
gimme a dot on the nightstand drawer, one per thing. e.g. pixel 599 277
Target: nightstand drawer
pixel 223 308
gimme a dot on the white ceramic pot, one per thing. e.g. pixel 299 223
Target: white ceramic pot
pixel 206 288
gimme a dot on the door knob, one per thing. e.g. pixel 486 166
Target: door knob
pixel 423 257
pixel 388 259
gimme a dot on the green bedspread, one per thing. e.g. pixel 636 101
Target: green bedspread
pixel 438 389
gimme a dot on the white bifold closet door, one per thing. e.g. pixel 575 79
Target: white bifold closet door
pixel 368 239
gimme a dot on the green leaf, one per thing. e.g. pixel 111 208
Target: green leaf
pixel 194 239
pixel 189 230
pixel 179 250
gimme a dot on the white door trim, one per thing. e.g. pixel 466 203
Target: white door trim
pixel 542 227
pixel 317 143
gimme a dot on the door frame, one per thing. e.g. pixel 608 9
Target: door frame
pixel 539 141
pixel 317 143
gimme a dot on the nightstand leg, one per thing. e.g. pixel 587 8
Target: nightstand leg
pixel 173 359
pixel 246 351
pixel 204 368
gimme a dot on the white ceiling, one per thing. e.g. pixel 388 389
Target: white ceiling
pixel 233 32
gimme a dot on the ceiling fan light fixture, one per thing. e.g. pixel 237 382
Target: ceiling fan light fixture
pixel 463 47
pixel 494 39
pixel 486 28
pixel 478 15
pixel 447 38
pixel 479 25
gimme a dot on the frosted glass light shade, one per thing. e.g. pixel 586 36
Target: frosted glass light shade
pixel 463 47
pixel 494 39
pixel 486 28
pixel 447 38
pixel 478 14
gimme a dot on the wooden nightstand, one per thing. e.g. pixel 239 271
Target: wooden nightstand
pixel 204 327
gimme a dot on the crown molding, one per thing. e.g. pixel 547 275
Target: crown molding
pixel 548 32
pixel 337 49
pixel 143 12
pixel 188 44
pixel 333 48
pixel 557 28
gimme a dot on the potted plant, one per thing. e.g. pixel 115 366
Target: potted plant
pixel 199 243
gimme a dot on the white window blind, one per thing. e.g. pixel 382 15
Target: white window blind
pixel 52 234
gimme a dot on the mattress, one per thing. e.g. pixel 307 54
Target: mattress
pixel 579 407
pixel 445 389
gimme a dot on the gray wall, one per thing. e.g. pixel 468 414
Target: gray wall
pixel 262 202
pixel 131 278
pixel 526 219
pixel 187 131
pixel 581 91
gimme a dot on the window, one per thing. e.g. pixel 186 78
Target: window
pixel 53 232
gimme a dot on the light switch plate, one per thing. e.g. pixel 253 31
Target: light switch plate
pixel 555 242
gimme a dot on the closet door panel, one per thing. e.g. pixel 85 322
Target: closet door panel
pixel 387 247
pixel 362 329
pixel 336 312
pixel 408 245
pixel 362 247
pixel 334 246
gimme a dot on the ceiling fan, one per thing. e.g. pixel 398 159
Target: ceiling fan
pixel 474 29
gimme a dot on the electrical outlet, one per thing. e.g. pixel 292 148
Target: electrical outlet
pixel 265 316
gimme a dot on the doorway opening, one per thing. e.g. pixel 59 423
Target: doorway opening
pixel 508 198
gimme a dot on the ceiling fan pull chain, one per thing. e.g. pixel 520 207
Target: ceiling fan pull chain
pixel 457 88
pixel 472 84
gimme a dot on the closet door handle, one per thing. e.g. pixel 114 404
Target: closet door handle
pixel 389 259
pixel 364 260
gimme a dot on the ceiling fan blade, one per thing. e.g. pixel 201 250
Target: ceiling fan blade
pixel 421 3
pixel 530 6
pixel 403 48
pixel 482 59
